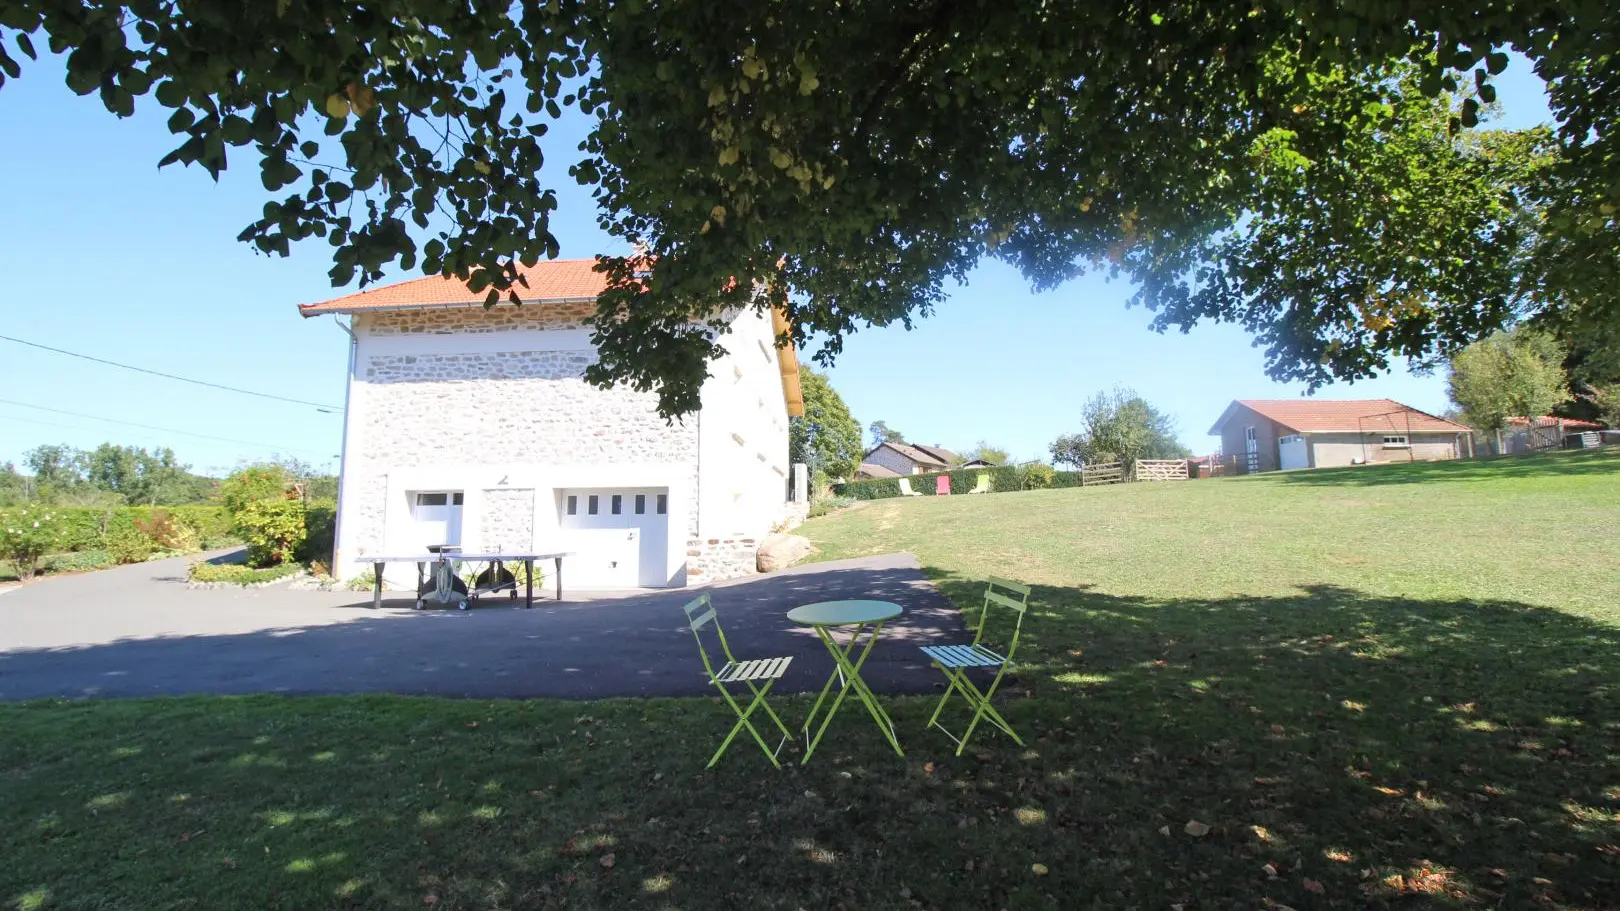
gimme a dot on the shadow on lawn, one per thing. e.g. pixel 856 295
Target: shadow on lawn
pixel 1345 750
pixel 1554 464
pixel 1459 751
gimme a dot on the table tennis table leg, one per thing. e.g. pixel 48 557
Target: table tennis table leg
pixel 376 595
pixel 559 577
pixel 528 583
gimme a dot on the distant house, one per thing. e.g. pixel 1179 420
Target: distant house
pixel 977 463
pixel 1267 435
pixel 904 459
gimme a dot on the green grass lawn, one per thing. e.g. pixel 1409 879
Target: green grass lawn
pixel 1395 686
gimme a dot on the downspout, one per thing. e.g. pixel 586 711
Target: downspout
pixel 343 451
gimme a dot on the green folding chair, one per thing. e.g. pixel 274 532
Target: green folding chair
pixel 699 614
pixel 956 660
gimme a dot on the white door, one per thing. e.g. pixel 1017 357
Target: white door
pixel 620 536
pixel 1293 452
pixel 1251 450
pixel 436 518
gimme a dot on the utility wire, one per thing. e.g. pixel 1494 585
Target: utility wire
pixel 202 436
pixel 170 376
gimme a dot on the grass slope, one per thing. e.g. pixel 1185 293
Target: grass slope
pixel 1386 687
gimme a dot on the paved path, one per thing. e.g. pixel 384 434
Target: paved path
pixel 138 631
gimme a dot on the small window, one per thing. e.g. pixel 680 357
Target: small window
pixel 590 504
pixel 641 504
pixel 618 504
pixel 456 499
pixel 431 499
pixel 1396 441
pixel 663 503
pixel 573 505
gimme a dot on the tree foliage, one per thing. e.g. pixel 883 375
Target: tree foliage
pixel 132 475
pixel 1290 165
pixel 1515 374
pixel 882 433
pixel 826 438
pixel 1120 426
pixel 983 451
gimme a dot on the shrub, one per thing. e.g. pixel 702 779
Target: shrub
pixel 827 504
pixel 237 574
pixel 364 582
pixel 249 485
pixel 26 536
pixel 165 531
pixel 212 524
pixel 320 527
pixel 80 561
pixel 1035 476
pixel 273 529
pixel 125 542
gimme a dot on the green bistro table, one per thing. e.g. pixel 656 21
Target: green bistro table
pixel 864 618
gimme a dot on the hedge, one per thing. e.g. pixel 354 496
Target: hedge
pixel 82 528
pixel 1002 478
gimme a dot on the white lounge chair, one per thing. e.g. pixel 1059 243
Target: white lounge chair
pixel 905 488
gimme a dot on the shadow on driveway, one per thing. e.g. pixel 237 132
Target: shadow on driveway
pixel 140 636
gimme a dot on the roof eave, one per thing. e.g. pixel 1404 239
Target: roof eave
pixel 309 310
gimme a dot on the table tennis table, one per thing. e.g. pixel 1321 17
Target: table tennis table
pixel 443 584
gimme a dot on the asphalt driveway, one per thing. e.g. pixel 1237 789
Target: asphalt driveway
pixel 139 631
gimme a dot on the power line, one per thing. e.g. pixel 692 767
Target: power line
pixel 170 376
pixel 202 436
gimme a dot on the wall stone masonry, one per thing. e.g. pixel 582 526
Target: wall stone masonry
pixel 508 520
pixel 718 559
pixel 476 320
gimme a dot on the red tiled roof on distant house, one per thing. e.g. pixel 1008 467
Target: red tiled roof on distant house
pixel 551 280
pixel 1569 423
pixel 1342 416
pixel 926 456
pixel 871 470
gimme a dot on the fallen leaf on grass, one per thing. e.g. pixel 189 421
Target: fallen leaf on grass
pixel 1312 885
pixel 1270 871
pixel 607 860
pixel 1164 830
pixel 430 899
pixel 1040 869
pixel 1196 829
pixel 1277 729
pixel 928 767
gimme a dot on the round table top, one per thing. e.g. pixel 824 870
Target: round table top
pixel 841 613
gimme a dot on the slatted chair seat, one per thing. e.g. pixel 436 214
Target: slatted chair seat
pixel 963 656
pixel 956 660
pixel 757 669
pixel 700 615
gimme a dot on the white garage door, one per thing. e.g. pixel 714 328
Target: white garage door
pixel 620 536
pixel 1292 452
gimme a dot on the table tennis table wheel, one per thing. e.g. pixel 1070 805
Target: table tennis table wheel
pixel 462 604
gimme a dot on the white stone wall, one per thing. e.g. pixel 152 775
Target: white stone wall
pixel 508 520
pixel 493 402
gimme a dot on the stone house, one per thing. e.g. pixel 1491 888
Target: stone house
pixel 476 427
pixel 887 460
pixel 1270 435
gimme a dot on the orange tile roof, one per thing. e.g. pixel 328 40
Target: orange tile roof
pixel 551 280
pixel 1353 415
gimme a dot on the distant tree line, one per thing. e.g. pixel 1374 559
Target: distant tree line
pixel 115 475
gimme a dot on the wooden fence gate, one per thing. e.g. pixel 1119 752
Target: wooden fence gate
pixel 1105 473
pixel 1161 469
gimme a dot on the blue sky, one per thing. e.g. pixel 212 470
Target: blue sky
pixel 109 256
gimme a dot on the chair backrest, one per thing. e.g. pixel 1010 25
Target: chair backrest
pixel 942 485
pixel 1003 593
pixel 700 614
pixel 984 482
pixel 905 487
